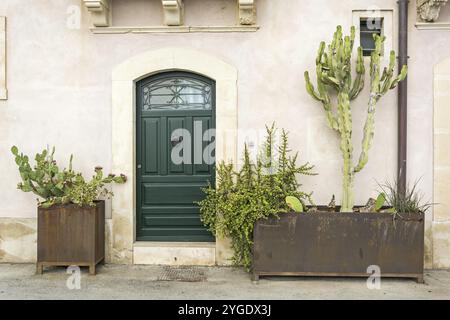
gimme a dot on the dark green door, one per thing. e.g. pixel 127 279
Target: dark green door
pixel 174 156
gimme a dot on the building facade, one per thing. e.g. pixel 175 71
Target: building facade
pixel 77 75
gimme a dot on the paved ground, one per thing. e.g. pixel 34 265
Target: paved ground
pixel 146 282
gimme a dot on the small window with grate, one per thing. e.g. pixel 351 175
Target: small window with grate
pixel 368 27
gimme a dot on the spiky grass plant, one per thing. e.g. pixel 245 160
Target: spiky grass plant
pixel 412 201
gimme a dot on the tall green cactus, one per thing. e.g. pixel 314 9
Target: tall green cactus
pixel 334 76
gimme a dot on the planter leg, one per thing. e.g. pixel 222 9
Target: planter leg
pixel 419 279
pixel 255 277
pixel 39 268
pixel 92 269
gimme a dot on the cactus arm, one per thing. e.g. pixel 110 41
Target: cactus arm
pixel 358 84
pixel 380 86
pixel 322 94
pixel 345 73
pixel 375 94
pixel 324 99
pixel 387 76
pixel 352 37
pixel 310 88
pixel 320 53
pixel 401 77
pixel 369 132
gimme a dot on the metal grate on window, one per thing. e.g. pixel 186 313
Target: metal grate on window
pixel 177 93
pixel 368 27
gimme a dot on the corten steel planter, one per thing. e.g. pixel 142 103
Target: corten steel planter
pixel 339 244
pixel 71 235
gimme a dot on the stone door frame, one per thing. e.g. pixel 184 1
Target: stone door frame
pixel 124 78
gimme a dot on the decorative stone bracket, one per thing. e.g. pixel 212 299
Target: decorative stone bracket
pixel 3 90
pixel 247 12
pixel 428 10
pixel 173 12
pixel 100 12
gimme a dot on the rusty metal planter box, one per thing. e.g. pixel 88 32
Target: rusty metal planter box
pixel 339 244
pixel 71 235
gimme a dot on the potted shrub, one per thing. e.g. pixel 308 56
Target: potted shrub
pixel 346 240
pixel 256 191
pixel 71 218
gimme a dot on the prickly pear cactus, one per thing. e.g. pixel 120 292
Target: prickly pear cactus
pixel 45 179
pixel 335 76
pixel 54 186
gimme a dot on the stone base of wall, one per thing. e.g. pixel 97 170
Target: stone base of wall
pixel 18 240
pixel 441 245
pixel 18 245
pixel 224 252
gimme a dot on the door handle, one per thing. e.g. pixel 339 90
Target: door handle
pixel 176 140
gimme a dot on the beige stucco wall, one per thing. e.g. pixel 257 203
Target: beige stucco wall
pixel 59 86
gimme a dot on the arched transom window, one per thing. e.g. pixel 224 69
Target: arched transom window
pixel 177 91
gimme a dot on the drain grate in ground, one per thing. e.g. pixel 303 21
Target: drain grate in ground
pixel 184 274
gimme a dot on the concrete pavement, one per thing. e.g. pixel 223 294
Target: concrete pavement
pixel 18 281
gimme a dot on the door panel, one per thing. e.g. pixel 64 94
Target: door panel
pixel 174 124
pixel 167 192
pixel 173 220
pixel 172 193
pixel 200 165
pixel 151 129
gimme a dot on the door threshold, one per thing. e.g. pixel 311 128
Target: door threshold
pixel 174 253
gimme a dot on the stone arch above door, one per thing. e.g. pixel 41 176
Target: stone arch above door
pixel 124 78
pixel 441 184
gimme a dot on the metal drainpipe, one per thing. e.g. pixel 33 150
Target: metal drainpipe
pixel 402 95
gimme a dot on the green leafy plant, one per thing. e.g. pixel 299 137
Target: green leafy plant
pixel 55 186
pixel 335 77
pixel 380 201
pixel 294 203
pixel 258 190
pixel 409 202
